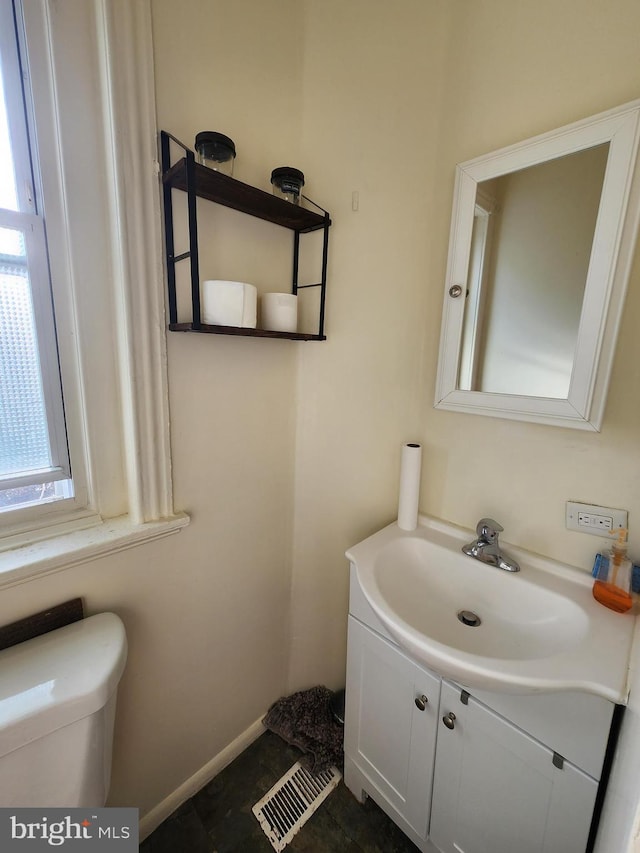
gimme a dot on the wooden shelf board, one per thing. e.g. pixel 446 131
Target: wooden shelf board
pixel 229 192
pixel 239 331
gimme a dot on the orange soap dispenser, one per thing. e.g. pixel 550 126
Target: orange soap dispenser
pixel 612 586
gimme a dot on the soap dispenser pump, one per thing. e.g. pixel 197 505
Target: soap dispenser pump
pixel 612 586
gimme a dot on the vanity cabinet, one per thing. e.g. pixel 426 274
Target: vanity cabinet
pixel 477 772
pixel 391 720
pixel 496 784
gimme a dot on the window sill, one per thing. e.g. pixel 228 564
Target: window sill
pixel 81 546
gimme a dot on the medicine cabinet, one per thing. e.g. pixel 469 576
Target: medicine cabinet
pixel 541 244
pixel 198 181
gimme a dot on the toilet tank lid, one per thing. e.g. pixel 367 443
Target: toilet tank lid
pixel 59 677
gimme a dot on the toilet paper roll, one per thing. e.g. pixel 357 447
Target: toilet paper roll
pixel 229 303
pixel 409 496
pixel 279 312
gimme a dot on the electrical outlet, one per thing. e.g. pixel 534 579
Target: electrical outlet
pixel 597 520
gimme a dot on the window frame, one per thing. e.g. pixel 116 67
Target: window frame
pixel 94 104
pixel 28 220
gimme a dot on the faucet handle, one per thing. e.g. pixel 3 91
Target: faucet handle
pixel 488 529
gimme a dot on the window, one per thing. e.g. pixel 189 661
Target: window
pixel 89 69
pixel 34 461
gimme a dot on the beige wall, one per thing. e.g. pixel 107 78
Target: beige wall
pixel 372 89
pixel 514 70
pixel 278 443
pixel 511 71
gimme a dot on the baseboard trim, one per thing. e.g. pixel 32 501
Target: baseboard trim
pixel 152 819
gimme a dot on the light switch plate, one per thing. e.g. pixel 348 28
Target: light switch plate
pixel 596 520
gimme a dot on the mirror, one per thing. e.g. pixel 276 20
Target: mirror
pixel 542 238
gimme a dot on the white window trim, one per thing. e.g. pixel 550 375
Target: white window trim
pixel 136 283
pixel 82 546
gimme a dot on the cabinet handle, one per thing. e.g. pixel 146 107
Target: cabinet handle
pixel 449 720
pixel 421 702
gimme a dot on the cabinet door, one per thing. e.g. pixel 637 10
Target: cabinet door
pixel 389 738
pixel 497 789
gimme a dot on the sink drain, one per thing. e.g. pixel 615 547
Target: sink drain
pixel 468 617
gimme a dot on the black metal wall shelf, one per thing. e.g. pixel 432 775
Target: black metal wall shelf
pixel 201 182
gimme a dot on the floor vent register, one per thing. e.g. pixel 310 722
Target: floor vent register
pixel 291 802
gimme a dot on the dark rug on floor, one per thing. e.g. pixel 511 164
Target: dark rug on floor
pixel 305 720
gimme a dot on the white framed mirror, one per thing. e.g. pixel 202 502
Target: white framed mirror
pixel 541 243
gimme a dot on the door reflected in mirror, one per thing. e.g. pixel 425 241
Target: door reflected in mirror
pixel 530 249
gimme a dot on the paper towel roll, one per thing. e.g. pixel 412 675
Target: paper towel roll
pixel 229 303
pixel 409 497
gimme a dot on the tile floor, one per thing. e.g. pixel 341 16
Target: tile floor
pixel 218 819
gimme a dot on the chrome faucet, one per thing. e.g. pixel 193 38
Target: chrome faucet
pixel 486 547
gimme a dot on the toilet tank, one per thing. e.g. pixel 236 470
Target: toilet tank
pixel 57 709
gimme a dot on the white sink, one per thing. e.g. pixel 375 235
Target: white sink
pixel 540 628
